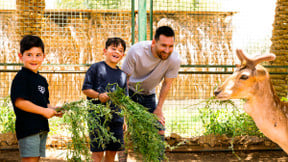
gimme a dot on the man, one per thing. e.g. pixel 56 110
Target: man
pixel 148 63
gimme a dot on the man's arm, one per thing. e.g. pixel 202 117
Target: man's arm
pixel 28 106
pixel 163 93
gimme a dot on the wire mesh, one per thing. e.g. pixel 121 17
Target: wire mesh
pixel 74 33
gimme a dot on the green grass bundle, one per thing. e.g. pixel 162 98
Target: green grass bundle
pixel 80 116
pixel 226 118
pixel 142 134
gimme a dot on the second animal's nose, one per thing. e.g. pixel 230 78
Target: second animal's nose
pixel 216 92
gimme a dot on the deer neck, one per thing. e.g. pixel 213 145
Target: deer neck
pixel 265 101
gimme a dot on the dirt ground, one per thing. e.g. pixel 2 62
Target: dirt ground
pixel 228 156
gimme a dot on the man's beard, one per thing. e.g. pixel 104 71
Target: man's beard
pixel 161 57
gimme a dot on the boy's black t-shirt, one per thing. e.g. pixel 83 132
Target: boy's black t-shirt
pixel 34 88
pixel 98 76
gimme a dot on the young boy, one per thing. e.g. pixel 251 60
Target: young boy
pixel 30 98
pixel 98 76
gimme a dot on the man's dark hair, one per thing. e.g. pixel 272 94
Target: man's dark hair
pixel 115 41
pixel 30 41
pixel 165 30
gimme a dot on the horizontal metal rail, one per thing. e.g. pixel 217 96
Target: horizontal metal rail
pixel 182 66
pixel 182 70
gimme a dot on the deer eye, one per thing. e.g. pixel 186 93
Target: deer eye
pixel 244 77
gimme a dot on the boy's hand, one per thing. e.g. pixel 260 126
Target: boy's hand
pixel 48 113
pixel 59 113
pixel 103 97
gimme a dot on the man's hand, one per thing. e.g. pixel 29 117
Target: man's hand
pixel 159 113
pixel 103 97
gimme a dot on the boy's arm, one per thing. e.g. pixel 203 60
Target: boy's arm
pixel 91 93
pixel 28 106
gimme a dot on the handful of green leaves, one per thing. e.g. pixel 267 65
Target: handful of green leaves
pixel 81 117
pixel 141 137
pixel 142 134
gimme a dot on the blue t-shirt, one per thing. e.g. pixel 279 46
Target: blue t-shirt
pixel 98 76
pixel 34 88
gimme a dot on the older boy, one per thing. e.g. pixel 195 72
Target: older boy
pixel 98 76
pixel 30 98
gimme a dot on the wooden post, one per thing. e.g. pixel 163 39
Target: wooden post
pixel 280 47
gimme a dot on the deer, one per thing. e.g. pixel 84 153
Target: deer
pixel 251 81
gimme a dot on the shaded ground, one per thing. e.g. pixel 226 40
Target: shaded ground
pixel 255 156
pixel 263 156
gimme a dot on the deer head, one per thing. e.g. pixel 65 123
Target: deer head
pixel 245 82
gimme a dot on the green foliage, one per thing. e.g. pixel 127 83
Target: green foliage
pixel 142 133
pixel 226 119
pixel 284 99
pixel 7 116
pixel 81 116
pixel 185 123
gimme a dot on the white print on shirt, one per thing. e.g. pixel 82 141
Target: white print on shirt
pixel 41 89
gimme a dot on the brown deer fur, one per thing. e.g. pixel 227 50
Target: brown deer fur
pixel 252 82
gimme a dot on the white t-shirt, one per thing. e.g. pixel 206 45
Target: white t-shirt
pixel 145 68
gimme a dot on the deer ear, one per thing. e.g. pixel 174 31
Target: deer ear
pixel 261 73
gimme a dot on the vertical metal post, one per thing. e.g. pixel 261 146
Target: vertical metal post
pixel 133 21
pixel 151 19
pixel 142 20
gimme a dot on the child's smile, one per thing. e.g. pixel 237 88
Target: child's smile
pixel 32 58
pixel 113 55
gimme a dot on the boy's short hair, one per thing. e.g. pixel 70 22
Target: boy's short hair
pixel 165 30
pixel 115 41
pixel 30 41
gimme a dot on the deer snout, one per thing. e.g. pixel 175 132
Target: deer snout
pixel 217 91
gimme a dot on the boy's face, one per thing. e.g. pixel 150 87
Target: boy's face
pixel 32 58
pixel 114 54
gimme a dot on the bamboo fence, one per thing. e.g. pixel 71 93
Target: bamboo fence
pixel 280 47
pixel 76 38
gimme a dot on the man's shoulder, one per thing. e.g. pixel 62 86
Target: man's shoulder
pixel 175 57
pixel 143 45
pixel 139 49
